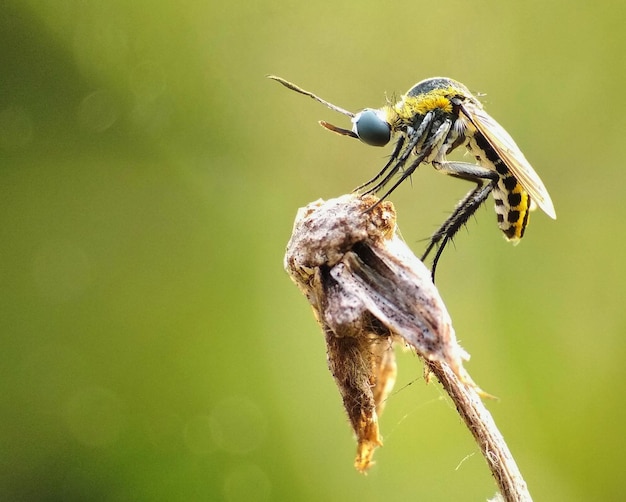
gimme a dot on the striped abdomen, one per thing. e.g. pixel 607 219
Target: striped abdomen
pixel 512 201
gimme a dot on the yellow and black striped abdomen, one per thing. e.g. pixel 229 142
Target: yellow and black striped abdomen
pixel 512 206
pixel 512 201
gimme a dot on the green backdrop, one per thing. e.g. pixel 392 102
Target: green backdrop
pixel 152 347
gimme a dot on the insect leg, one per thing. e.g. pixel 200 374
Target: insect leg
pixel 399 164
pixel 423 147
pixel 415 137
pixel 412 167
pixel 423 151
pixel 466 171
pixel 392 159
pixel 464 209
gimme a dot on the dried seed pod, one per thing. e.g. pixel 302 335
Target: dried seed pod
pixel 368 290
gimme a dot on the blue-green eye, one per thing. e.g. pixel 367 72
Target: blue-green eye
pixel 371 128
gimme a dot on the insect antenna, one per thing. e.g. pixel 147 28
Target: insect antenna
pixel 300 90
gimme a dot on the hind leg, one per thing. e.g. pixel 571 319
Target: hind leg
pixel 465 208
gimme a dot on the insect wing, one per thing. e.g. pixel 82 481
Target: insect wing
pixel 503 144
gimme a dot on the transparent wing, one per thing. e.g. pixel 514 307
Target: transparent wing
pixel 512 156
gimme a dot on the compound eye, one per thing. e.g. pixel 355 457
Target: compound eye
pixel 371 127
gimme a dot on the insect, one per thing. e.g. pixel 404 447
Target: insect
pixel 434 117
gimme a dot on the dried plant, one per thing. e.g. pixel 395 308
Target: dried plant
pixel 368 291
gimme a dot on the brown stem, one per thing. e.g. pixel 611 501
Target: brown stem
pixel 482 426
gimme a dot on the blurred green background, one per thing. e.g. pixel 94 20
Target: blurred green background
pixel 153 347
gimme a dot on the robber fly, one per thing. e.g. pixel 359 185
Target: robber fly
pixel 433 118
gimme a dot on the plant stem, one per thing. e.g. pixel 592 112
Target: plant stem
pixel 482 426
